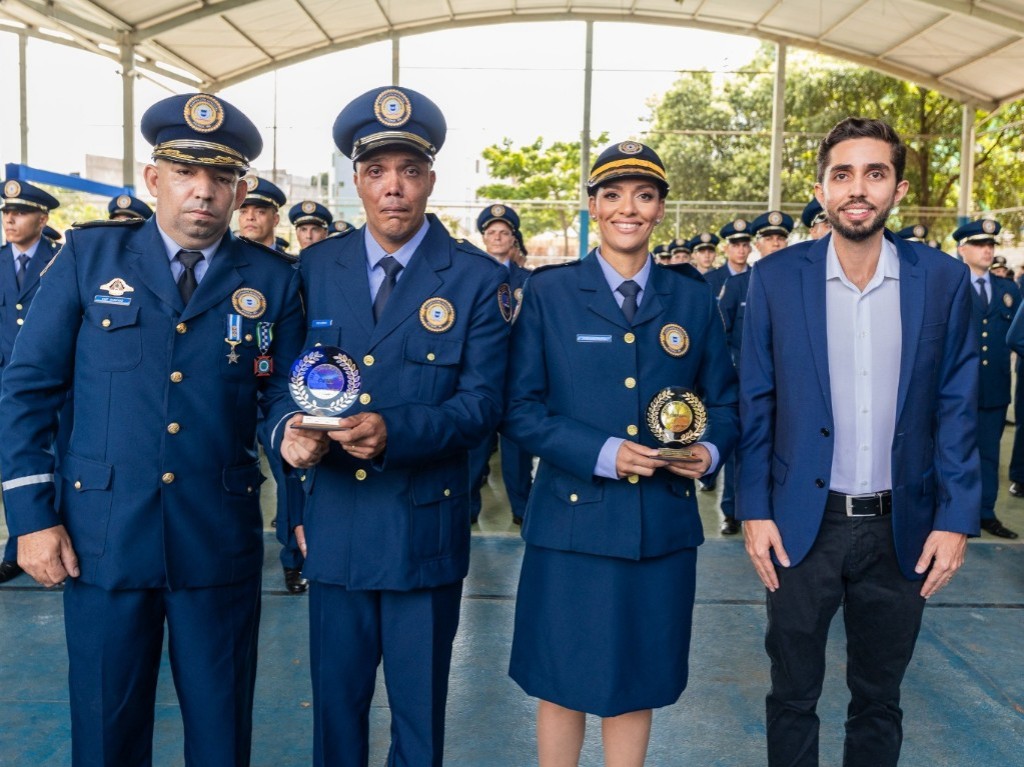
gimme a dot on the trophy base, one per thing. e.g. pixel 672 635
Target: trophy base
pixel 675 453
pixel 319 423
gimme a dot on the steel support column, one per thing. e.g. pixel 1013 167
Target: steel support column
pixel 967 140
pixel 127 112
pixel 23 94
pixel 778 126
pixel 588 77
pixel 396 58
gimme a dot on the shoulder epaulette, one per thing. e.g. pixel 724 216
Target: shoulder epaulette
pixel 467 247
pixel 332 235
pixel 287 257
pixel 687 270
pixel 108 222
pixel 549 267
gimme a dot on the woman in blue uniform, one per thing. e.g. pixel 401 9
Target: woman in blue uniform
pixel 607 585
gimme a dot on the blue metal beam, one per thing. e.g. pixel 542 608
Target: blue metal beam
pixel 27 173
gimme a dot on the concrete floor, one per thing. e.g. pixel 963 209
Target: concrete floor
pixel 963 695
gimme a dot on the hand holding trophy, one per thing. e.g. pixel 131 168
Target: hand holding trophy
pixel 324 382
pixel 677 418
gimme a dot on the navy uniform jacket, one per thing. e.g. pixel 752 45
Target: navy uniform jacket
pixel 581 374
pixel 401 521
pixel 161 479
pixel 14 302
pixel 733 305
pixel 717 278
pixel 785 452
pixel 991 328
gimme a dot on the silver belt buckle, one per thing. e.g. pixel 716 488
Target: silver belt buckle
pixel 849 504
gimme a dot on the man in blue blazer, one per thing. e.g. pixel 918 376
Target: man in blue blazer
pixel 859 473
pixel 170 333
pixel 26 209
pixel 386 522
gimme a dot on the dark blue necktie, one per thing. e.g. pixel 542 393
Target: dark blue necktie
pixel 983 293
pixel 391 267
pixel 23 260
pixel 629 290
pixel 187 282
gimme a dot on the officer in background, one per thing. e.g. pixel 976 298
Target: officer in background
pixel 312 222
pixel 498 224
pixel 53 235
pixel 158 327
pixel 387 513
pixel 703 260
pixel 705 248
pixel 771 231
pixel 125 206
pixel 339 227
pixel 815 219
pixel 995 302
pixel 661 255
pixel 259 214
pixel 26 209
pixel 999 268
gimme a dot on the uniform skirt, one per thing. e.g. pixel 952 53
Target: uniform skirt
pixel 601 634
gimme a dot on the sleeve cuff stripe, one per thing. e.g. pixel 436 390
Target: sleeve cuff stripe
pixel 35 479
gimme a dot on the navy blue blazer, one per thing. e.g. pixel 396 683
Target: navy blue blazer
pixel 401 521
pixel 991 327
pixel 161 478
pixel 581 374
pixel 15 301
pixel 717 278
pixel 785 452
pixel 732 303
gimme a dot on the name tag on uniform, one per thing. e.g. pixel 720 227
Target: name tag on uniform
pixel 116 300
pixel 585 338
pixel 321 323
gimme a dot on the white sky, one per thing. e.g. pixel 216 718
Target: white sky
pixel 517 80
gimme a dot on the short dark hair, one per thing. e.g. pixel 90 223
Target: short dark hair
pixel 863 127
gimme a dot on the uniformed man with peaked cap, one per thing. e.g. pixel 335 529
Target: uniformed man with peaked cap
pixel 312 222
pixel 815 219
pixel 914 233
pixel 771 231
pixel 259 214
pixel 171 333
pixel 995 302
pixel 424 317
pixel 25 211
pixel 339 226
pixel 128 206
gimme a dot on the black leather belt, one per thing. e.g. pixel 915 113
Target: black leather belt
pixel 872 505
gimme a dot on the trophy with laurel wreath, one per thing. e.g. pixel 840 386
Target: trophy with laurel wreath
pixel 677 418
pixel 324 382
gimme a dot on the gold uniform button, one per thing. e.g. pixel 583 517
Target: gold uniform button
pixel 360 474
pixel 447 492
pixel 984 362
pixel 176 377
pixel 633 479
pixel 19 307
pixel 302 478
pixel 248 337
pixel 985 334
pixel 318 344
pixel 368 360
pixel 78 484
pixel 181 327
pixel 629 338
pixel 687 493
pixel 984 348
pixel 365 398
pixel 173 428
pixel 21 321
pixel 630 383
pixel 573 498
pixel 249 489
pixel 106 323
pixel 168 478
pixel 984 322
pixel 632 431
pixel 431 356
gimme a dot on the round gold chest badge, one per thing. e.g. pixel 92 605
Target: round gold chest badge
pixel 392 108
pixel 437 314
pixel 203 113
pixel 1008 300
pixel 249 302
pixel 12 189
pixel 308 206
pixel 124 201
pixel 674 340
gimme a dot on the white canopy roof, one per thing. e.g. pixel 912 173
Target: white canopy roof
pixel 972 50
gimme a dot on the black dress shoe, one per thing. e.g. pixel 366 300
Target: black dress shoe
pixel 1016 489
pixel 9 570
pixel 730 526
pixel 293 581
pixel 706 488
pixel 995 527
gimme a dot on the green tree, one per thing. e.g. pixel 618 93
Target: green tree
pixel 549 173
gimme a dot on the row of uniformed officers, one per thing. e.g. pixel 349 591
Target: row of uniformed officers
pixel 175 337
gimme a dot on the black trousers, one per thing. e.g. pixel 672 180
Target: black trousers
pixel 853 564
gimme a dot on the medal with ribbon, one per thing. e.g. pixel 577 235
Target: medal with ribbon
pixel 234 337
pixel 263 365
